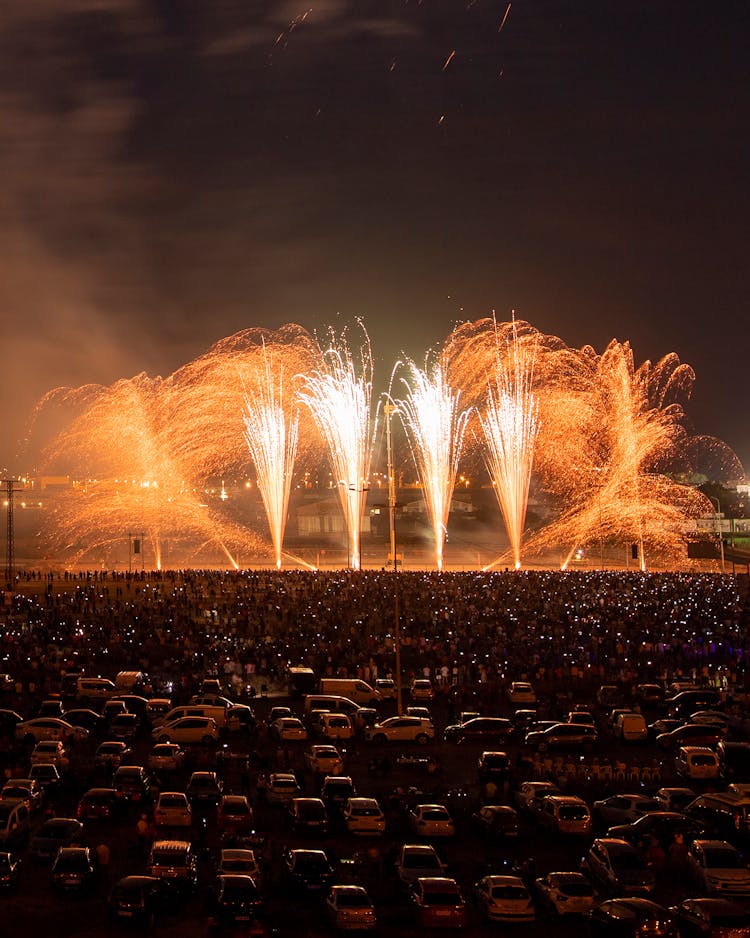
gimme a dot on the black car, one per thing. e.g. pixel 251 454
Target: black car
pixel 10 868
pixel 705 918
pixel 497 820
pixel 132 783
pixel 663 825
pixel 234 898
pixel 485 730
pixel 141 899
pixel 494 766
pixel 631 918
pixel 578 737
pixel 308 816
pixel 204 789
pixel 307 870
pixel 73 869
pixel 55 833
pixel 89 719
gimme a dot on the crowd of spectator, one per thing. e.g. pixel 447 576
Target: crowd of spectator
pixel 467 629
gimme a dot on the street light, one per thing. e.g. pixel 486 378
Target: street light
pixel 717 520
pixel 389 410
pixel 351 487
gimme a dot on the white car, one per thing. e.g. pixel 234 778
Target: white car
pixel 324 759
pixel 566 893
pixel 288 729
pixel 52 751
pixel 521 692
pixel 363 816
pixel 401 729
pixel 240 861
pixel 431 820
pixel 350 907
pixel 622 809
pixel 505 899
pixel 717 868
pixel 173 810
pixel 530 795
pixel 34 731
pixel 421 689
pixel 188 730
pixel 166 757
pixel 417 860
pixel 281 787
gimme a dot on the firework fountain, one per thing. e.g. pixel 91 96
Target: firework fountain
pixel 339 396
pixel 510 423
pixel 271 438
pixel 435 429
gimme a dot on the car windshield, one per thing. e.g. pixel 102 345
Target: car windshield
pixel 168 858
pixel 422 861
pixel 310 864
pixel 5 810
pixel 172 801
pixel 311 810
pixel 435 815
pixel 237 866
pixel 235 807
pixel 366 812
pixel 75 863
pixel 627 861
pixel 723 859
pixel 578 888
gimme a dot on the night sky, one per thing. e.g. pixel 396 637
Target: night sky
pixel 177 170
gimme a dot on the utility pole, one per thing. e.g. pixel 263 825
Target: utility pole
pixel 10 552
pixel 389 410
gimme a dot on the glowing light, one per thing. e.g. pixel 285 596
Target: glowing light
pixel 511 425
pixel 435 429
pixel 339 396
pixel 271 438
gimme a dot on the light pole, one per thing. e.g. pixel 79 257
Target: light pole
pixel 717 520
pixel 389 410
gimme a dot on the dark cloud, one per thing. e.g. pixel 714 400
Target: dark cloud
pixel 175 171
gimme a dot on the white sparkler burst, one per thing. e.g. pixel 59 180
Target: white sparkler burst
pixel 511 425
pixel 435 428
pixel 339 396
pixel 271 438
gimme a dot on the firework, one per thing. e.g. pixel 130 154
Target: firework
pixel 510 423
pixel 339 396
pixel 271 438
pixel 435 429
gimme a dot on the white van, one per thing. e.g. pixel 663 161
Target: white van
pixel 631 727
pixel 353 688
pixel 697 762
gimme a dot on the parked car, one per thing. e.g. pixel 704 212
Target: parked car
pixel 485 730
pixel 308 816
pixel 336 790
pixel 112 753
pixel 715 867
pixel 711 918
pixel 622 809
pixel 521 692
pixel 173 809
pixel 188 730
pixel 307 870
pixel 350 907
pixel 431 820
pixel 89 719
pixel 235 814
pixel 504 899
pixel 690 734
pixel 204 789
pixel 239 860
pixel 497 821
pixel 280 787
pixel 54 833
pixel 530 795
pixel 324 759
pixel 10 870
pixel 697 762
pixel 141 900
pixel 41 728
pixel 421 689
pixel 617 867
pixel 51 751
pixel 565 893
pixel 47 776
pixel 363 816
pixel 415 860
pixel 27 790
pixel 14 825
pixel 73 868
pixel 631 918
pixel 132 783
pixel 166 757
pixel 437 902
pixel 571 736
pixel 660 824
pixel 234 899
pixel 174 860
pixel 401 729
pixel 288 729
pixel 97 804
